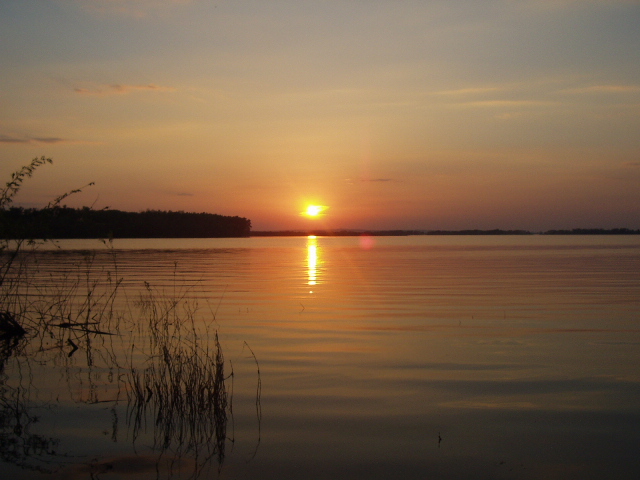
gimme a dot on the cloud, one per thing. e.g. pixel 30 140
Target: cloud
pixel 350 181
pixel 32 140
pixel 8 139
pixel 505 103
pixel 184 194
pixel 50 140
pixel 508 96
pixel 558 4
pixel 605 89
pixel 119 89
pixel 632 164
pixel 130 8
pixel 468 91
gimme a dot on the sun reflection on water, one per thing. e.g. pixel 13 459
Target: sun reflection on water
pixel 312 260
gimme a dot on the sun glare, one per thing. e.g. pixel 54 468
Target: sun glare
pixel 314 210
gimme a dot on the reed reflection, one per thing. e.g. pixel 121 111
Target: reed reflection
pixel 169 366
pixel 312 260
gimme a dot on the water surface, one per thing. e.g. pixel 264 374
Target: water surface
pixel 379 357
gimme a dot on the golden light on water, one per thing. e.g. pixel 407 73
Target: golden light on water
pixel 312 260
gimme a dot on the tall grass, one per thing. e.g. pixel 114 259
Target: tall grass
pixel 168 362
pixel 163 360
pixel 15 246
pixel 181 389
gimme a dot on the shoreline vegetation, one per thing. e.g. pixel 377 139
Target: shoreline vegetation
pixel 64 222
pixel 349 233
pixel 164 381
pixel 57 221
pixel 145 354
pixel 85 223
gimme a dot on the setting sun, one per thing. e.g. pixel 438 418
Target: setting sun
pixel 314 210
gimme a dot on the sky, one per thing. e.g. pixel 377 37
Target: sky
pixel 430 114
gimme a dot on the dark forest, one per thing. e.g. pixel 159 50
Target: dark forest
pixel 64 222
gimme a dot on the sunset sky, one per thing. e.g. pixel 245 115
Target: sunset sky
pixel 430 114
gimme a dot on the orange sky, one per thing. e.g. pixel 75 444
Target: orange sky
pixel 411 114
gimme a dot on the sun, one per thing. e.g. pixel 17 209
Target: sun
pixel 314 210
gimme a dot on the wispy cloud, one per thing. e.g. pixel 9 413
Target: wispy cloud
pixel 509 96
pixel 350 181
pixel 505 103
pixel 558 4
pixel 120 89
pixel 130 8
pixel 9 139
pixel 468 91
pixel 605 89
pixel 49 140
pixel 32 140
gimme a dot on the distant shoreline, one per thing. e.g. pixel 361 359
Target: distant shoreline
pixel 399 233
pixel 64 222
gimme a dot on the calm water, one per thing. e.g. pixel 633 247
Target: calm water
pixel 385 357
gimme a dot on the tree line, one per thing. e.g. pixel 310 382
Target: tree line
pixel 65 222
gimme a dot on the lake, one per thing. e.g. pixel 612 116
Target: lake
pixel 418 357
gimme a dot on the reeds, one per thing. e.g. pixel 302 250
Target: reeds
pixel 167 361
pixel 170 365
pixel 181 391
